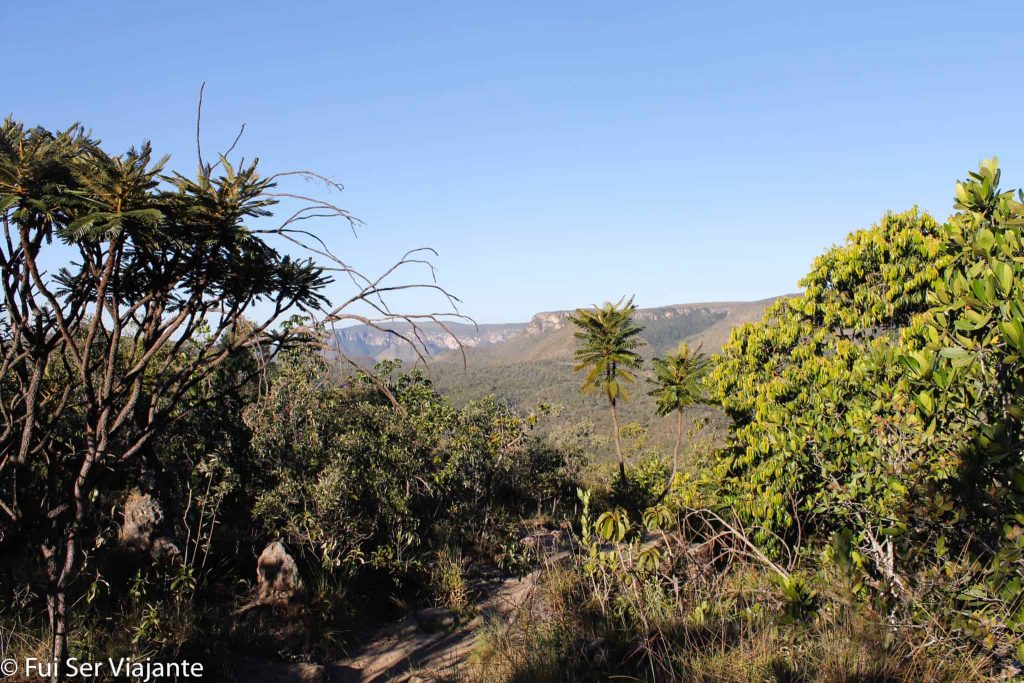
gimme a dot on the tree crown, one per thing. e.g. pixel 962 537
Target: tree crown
pixel 607 338
pixel 679 379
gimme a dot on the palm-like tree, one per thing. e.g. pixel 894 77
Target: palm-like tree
pixel 678 385
pixel 607 339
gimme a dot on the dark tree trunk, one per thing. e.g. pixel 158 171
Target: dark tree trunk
pixel 61 553
pixel 56 608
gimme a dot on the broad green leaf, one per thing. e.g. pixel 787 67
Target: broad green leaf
pixel 983 242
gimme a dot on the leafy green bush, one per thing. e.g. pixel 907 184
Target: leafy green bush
pixel 381 503
pixel 803 386
pixel 883 407
pixel 357 483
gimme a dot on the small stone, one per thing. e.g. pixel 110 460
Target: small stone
pixel 142 516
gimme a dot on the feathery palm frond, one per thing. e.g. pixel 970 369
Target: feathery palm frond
pixel 607 340
pixel 678 384
pixel 678 379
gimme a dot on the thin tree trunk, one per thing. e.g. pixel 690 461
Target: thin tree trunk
pixel 62 559
pixel 675 451
pixel 675 458
pixel 56 608
pixel 60 635
pixel 618 441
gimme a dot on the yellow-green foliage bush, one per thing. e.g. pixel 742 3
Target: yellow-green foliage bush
pixel 883 408
pixel 802 385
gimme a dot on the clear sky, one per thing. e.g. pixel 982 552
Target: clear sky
pixel 557 154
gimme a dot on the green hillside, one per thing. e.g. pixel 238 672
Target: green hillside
pixel 535 365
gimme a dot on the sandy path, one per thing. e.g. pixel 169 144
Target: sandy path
pixel 406 651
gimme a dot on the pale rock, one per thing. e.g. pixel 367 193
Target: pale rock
pixel 144 522
pixel 277 576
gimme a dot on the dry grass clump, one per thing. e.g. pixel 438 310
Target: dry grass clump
pixel 732 629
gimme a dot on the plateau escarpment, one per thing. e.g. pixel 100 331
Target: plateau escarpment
pixel 532 362
pixel 365 343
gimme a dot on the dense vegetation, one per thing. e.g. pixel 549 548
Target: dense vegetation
pixel 155 435
pixel 863 519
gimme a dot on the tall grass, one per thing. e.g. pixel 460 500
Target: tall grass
pixel 733 627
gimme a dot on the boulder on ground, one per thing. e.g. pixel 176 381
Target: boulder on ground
pixel 143 531
pixel 277 576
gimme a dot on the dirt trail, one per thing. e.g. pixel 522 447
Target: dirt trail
pixel 430 645
pixel 419 649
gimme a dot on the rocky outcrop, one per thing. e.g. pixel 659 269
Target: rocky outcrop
pixel 668 325
pixel 363 341
pixel 277 576
pixel 145 529
pixel 695 315
pixel 547 322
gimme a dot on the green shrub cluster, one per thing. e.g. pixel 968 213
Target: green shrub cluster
pixel 884 407
pixel 864 519
pixel 356 482
pixel 383 504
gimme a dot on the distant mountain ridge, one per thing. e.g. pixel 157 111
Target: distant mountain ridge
pixel 665 326
pixel 536 363
pixel 369 343
pixel 532 362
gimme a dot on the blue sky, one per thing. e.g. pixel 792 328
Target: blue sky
pixel 557 154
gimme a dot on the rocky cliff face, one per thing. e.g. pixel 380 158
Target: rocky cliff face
pixel 664 327
pixel 364 342
pixel 556 320
pixel 546 322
